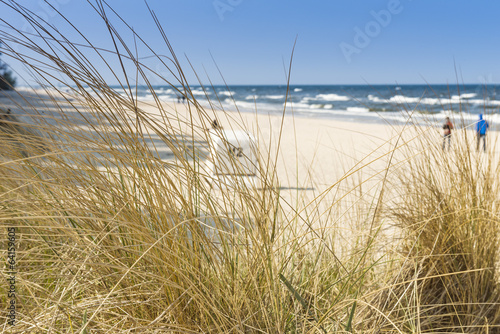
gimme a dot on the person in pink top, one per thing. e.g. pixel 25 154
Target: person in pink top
pixel 447 127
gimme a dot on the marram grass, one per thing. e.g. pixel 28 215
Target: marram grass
pixel 116 235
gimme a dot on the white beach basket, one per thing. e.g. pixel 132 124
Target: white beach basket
pixel 232 158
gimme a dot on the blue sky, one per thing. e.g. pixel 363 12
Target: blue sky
pixel 338 42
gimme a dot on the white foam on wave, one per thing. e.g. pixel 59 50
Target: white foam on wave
pixel 455 99
pixel 358 109
pixel 328 109
pixel 326 98
pixel 297 90
pixel 493 103
pixel 246 105
pixel 163 90
pixel 485 102
pixel 377 99
pixel 494 119
pixel 199 92
pixel 252 97
pixel 240 104
pixel 226 93
pixel 401 99
pixel 274 97
pixel 330 97
pixel 464 96
pixel 320 106
pixel 474 101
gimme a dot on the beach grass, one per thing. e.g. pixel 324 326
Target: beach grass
pixel 118 229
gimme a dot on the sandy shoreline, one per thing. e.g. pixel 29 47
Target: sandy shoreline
pixel 313 154
pixel 310 149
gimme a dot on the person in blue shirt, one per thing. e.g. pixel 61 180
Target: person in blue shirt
pixel 481 127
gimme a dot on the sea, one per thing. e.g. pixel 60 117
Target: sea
pixel 358 103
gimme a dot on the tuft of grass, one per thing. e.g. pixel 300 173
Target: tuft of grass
pixel 449 215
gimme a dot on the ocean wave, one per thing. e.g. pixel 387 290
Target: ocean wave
pixel 377 99
pixel 358 109
pixel 246 105
pixel 226 93
pixel 485 102
pixel 199 92
pixel 464 96
pixel 163 90
pixel 332 97
pixel 320 106
pixel 274 97
pixel 455 99
pixel 402 99
pixel 326 97
pixel 240 104
pixel 297 90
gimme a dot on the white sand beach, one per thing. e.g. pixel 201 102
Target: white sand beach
pixel 313 155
